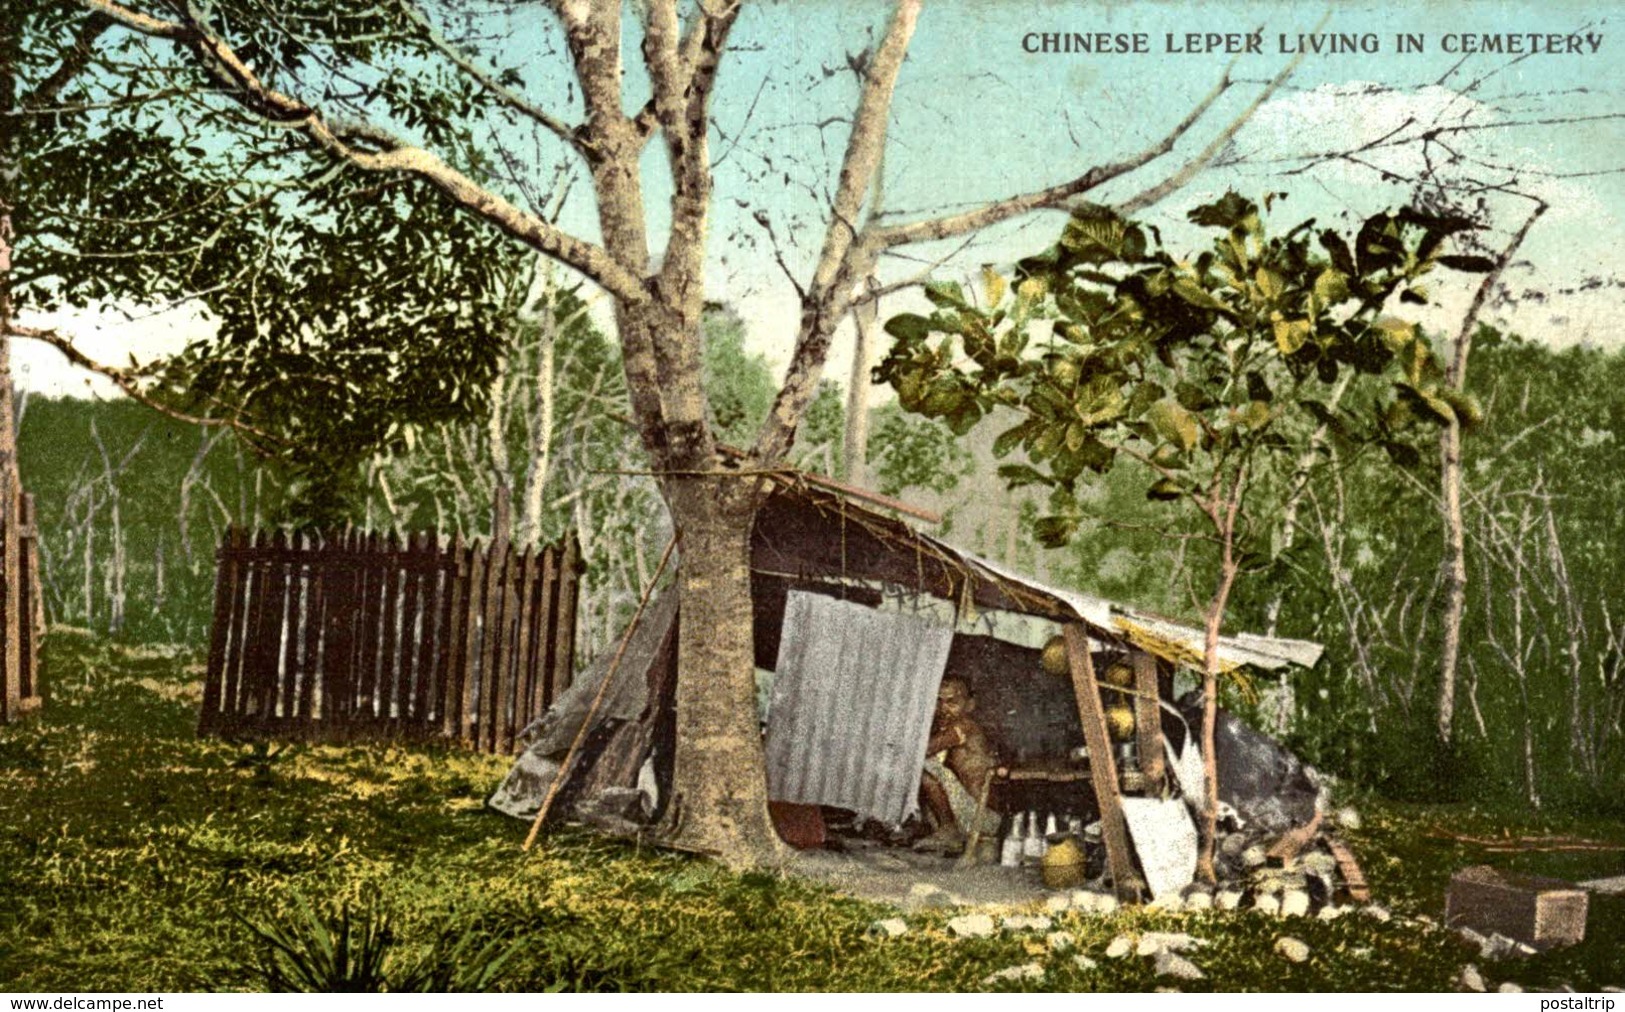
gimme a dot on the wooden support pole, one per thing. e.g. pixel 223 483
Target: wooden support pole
pixel 1148 720
pixel 1102 765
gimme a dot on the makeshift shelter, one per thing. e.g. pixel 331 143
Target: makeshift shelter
pixel 858 618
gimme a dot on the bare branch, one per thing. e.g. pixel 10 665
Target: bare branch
pixel 1051 197
pixel 127 381
pixel 1188 171
pixel 838 270
pixel 507 96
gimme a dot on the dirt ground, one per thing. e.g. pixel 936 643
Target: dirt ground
pixel 889 874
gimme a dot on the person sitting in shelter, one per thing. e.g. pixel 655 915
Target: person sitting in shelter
pixel 957 745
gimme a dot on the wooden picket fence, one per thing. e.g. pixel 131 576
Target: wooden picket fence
pixel 358 637
pixel 19 669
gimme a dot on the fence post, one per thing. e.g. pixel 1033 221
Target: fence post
pixel 360 635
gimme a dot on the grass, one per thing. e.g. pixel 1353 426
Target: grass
pixel 136 857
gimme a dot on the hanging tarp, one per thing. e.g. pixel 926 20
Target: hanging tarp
pixel 853 697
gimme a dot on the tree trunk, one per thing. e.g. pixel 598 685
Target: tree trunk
pixel 10 678
pixel 1455 574
pixel 1223 515
pixel 855 446
pixel 720 785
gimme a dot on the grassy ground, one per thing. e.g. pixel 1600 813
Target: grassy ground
pixel 134 856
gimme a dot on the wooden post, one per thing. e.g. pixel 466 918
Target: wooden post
pixel 1102 765
pixel 456 647
pixel 524 662
pixel 542 690
pixel 563 630
pixel 225 590
pixel 1148 719
pixel 473 674
pixel 426 562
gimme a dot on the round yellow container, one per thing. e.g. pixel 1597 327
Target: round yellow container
pixel 1062 865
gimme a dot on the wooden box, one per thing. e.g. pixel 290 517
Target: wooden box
pixel 1542 912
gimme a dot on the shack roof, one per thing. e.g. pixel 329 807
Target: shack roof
pixel 810 528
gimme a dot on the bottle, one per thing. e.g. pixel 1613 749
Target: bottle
pixel 1032 849
pixel 1010 852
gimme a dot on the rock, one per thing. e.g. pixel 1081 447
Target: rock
pixel 1165 989
pixel 1377 912
pixel 971 926
pixel 1469 979
pixel 1199 900
pixel 1060 941
pixel 1119 947
pixel 1153 942
pixel 1253 857
pixel 1083 962
pixel 1227 899
pixel 1507 987
pixel 1498 946
pixel 890 927
pixel 1105 903
pixel 1024 922
pixel 1331 913
pixel 1267 905
pixel 1291 948
pixel 1233 845
pixel 1424 919
pixel 1083 900
pixel 1058 904
pixel 1612 989
pixel 1171 903
pixel 1349 818
pixel 925 896
pixel 1172 964
pixel 1294 903
pixel 1026 971
pixel 1319 863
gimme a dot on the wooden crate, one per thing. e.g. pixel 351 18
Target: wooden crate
pixel 1543 912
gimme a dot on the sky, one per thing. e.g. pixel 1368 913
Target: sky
pixel 976 117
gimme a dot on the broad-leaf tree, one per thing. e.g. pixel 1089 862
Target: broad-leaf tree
pixel 1207 369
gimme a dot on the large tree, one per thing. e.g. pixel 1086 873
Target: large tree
pixel 395 91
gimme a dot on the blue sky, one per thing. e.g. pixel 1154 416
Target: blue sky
pixel 975 117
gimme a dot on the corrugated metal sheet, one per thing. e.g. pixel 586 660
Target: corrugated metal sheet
pixel 853 698
pixel 1177 643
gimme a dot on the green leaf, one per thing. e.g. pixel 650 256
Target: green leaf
pixel 1055 531
pixel 1174 424
pixel 1196 295
pixel 909 327
pixel 1426 404
pixel 946 294
pixel 1331 286
pixel 1258 388
pixel 1011 438
pixel 1270 284
pixel 1228 211
pixel 1396 333
pixel 1255 415
pixel 1473 264
pixel 1018 475
pixel 1165 490
pixel 1290 335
